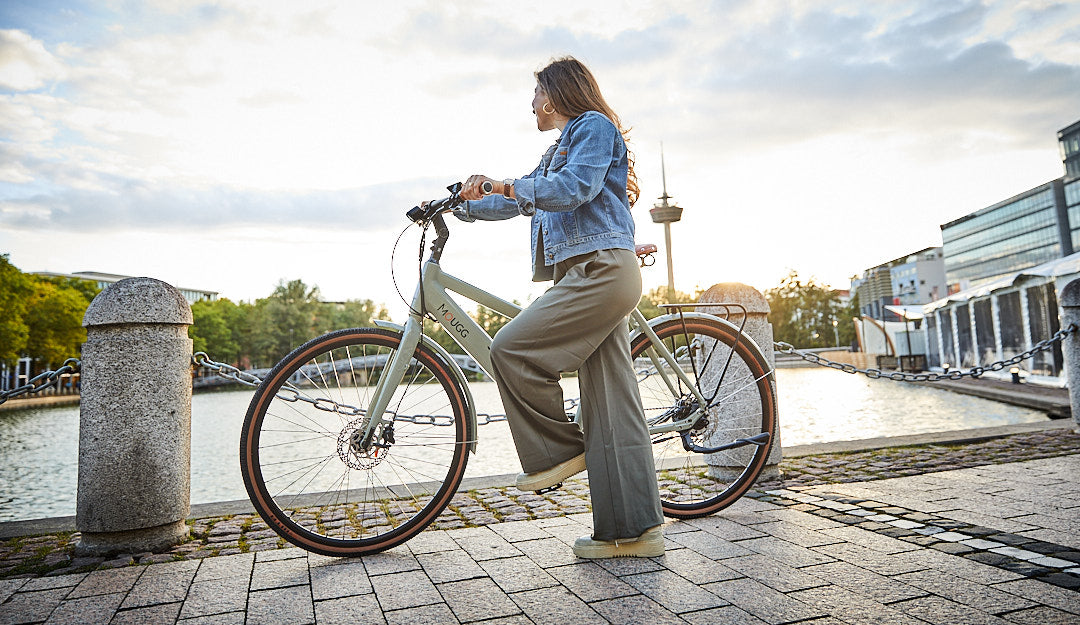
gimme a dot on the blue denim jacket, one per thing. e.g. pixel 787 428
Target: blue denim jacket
pixel 576 196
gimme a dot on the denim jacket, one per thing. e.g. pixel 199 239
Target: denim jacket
pixel 576 196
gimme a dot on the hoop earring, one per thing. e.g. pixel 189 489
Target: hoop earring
pixel 544 108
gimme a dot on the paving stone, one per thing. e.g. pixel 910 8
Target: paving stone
pixel 280 574
pixel 217 596
pixel 968 593
pixel 858 536
pixel 486 546
pixel 728 615
pixel 547 552
pixel 591 582
pixel 1044 593
pixel 106 582
pixel 786 552
pixel 477 599
pixel 934 609
pixel 351 610
pixel 712 546
pixel 851 607
pixel 159 588
pixel 773 573
pixel 281 606
pixel 797 534
pixel 725 528
pixel 40 583
pixel 517 531
pixel 223 567
pixel 635 610
pixel 763 602
pixel 866 558
pixel 880 588
pixel 517 574
pixel 27 607
pixel 396 591
pixel 339 580
pixel 396 560
pixel 163 614
pixel 449 566
pixel 695 567
pixel 674 592
pixel 1041 616
pixel 555 606
pixel 95 609
pixel 438 614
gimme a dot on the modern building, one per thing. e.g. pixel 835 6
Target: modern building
pixel 105 279
pixel 1005 266
pixel 1023 231
pixel 917 278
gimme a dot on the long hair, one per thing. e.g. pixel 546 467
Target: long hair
pixel 572 90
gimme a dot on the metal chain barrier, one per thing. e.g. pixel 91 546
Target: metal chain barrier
pixel 42 381
pixel 902 376
pixel 290 393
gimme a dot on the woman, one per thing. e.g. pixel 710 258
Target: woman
pixel 579 198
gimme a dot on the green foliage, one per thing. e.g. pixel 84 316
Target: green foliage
pixel 213 330
pixel 803 312
pixel 54 315
pixel 650 302
pixel 15 289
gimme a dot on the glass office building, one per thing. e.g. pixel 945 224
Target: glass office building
pixel 1021 232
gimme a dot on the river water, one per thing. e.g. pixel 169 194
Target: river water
pixel 39 446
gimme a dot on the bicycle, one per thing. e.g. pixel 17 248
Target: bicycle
pixel 358 439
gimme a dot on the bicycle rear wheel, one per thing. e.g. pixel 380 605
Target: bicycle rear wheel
pixel 736 381
pixel 309 473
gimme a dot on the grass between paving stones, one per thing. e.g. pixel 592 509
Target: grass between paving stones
pixel 53 554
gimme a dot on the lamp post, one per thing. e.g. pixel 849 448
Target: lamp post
pixel 835 333
pixel 664 213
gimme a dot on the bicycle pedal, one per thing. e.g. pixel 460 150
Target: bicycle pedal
pixel 549 489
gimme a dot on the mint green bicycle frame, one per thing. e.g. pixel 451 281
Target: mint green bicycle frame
pixel 433 295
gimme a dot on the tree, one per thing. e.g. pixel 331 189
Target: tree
pixel 54 315
pixel 15 290
pixel 351 314
pixel 802 313
pixel 650 302
pixel 286 319
pixel 212 330
pixel 490 320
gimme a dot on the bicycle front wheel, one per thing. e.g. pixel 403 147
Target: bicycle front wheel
pixel 311 474
pixel 731 437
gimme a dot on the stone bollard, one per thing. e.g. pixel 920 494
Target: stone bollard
pixel 135 420
pixel 758 328
pixel 1070 347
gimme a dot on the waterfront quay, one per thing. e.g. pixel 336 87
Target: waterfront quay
pixel 980 526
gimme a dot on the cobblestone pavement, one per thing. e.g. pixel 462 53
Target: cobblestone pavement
pixel 985 532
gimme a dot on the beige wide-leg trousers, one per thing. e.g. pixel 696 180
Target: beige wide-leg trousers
pixel 579 324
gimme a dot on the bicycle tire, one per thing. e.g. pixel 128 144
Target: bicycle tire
pixel 742 400
pixel 308 479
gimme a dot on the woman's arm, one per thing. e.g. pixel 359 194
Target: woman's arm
pixel 589 154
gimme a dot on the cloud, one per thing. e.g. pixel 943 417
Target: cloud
pixel 25 64
pixel 139 205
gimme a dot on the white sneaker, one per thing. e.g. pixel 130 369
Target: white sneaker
pixel 649 545
pixel 550 477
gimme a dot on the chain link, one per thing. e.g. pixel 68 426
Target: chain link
pixel 902 376
pixel 42 381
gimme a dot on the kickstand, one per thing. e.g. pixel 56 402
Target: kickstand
pixel 549 489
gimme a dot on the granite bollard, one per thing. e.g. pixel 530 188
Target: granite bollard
pixel 1070 347
pixel 760 330
pixel 134 487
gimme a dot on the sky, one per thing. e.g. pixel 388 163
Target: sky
pixel 231 145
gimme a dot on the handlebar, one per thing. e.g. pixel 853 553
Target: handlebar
pixel 437 207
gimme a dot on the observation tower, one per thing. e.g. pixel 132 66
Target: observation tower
pixel 667 214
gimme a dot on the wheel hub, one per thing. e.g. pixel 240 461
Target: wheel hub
pixel 353 452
